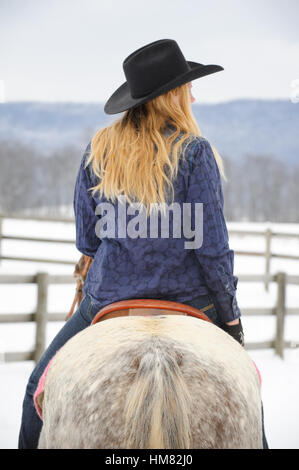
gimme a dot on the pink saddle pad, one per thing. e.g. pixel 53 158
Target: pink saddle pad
pixel 40 390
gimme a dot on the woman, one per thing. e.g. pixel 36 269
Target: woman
pixel 152 156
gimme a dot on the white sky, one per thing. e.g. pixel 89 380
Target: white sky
pixel 73 50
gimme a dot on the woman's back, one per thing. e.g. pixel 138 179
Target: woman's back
pixel 140 256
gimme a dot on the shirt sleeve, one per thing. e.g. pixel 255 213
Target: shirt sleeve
pixel 87 242
pixel 215 258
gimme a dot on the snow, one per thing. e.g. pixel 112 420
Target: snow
pixel 280 377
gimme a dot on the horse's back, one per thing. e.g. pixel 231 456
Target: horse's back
pixel 95 374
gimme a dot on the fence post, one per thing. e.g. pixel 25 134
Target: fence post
pixel 268 235
pixel 280 313
pixel 41 314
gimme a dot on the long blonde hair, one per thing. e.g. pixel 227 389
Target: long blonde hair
pixel 134 157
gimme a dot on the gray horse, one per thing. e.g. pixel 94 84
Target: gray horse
pixel 172 382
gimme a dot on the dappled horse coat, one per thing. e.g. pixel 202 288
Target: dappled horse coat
pixel 151 382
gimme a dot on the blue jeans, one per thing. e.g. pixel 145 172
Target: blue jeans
pixel 31 423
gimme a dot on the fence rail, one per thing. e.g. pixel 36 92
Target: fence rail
pixel 268 234
pixel 41 316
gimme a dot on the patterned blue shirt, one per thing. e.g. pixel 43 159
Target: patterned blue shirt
pixel 157 267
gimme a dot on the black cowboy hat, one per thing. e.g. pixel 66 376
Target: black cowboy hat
pixel 153 70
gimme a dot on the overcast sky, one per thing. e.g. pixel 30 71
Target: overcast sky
pixel 73 50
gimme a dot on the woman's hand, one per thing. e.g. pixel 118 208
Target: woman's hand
pixel 235 329
pixel 234 322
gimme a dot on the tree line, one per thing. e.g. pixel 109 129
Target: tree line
pixel 258 187
pixel 261 188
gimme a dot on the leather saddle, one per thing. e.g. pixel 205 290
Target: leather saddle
pixel 147 307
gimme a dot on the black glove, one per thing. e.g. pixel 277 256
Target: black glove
pixel 236 331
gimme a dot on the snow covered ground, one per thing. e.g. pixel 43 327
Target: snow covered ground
pixel 280 387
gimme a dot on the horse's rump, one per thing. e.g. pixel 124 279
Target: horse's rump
pixel 152 382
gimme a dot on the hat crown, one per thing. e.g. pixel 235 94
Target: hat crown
pixel 154 65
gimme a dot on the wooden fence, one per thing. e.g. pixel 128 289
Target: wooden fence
pixel 268 235
pixel 34 239
pixel 41 316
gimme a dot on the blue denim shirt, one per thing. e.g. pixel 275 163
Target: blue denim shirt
pixel 161 268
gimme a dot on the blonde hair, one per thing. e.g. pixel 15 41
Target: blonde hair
pixel 133 157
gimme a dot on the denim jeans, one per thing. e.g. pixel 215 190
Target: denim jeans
pixel 31 423
pixel 206 303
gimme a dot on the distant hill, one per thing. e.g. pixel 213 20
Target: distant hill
pixel 235 128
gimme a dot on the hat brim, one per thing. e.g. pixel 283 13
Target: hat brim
pixel 121 99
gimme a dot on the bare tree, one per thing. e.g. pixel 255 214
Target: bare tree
pixel 259 187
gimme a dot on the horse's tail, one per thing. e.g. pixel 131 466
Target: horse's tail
pixel 157 411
